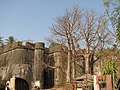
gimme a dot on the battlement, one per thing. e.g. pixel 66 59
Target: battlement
pixel 18 45
pixel 55 47
pixel 39 45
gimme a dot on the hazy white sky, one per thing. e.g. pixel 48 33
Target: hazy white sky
pixel 30 19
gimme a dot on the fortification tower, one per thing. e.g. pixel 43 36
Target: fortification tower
pixel 16 60
pixel 60 60
pixel 38 66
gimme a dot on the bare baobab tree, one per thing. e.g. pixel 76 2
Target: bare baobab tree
pixel 93 36
pixel 63 31
pixel 82 30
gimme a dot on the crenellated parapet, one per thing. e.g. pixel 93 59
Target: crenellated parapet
pixel 39 45
pixel 9 47
pixel 55 47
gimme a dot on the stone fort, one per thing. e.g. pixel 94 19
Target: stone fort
pixel 34 62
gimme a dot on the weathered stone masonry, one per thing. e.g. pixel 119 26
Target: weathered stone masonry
pixel 26 61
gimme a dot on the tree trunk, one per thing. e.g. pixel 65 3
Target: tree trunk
pixel 73 67
pixel 87 59
pixel 73 59
pixel 68 77
pixel 73 63
pixel 87 63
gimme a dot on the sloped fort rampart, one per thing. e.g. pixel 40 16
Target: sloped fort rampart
pixel 33 62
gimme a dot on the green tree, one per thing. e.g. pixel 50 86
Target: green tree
pixel 112 8
pixel 110 68
pixel 118 31
pixel 1 42
pixel 10 40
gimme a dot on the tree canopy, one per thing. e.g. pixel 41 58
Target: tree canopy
pixel 112 8
pixel 10 40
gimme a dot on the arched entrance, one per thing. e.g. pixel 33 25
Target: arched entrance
pixel 21 84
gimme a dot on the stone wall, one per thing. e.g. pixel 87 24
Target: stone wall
pixel 26 61
pixel 60 63
pixel 16 60
pixel 38 66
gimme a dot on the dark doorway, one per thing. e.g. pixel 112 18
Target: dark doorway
pixel 48 78
pixel 21 84
pixel 2 88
